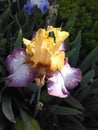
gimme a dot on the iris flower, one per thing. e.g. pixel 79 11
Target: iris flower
pixel 43 60
pixel 31 4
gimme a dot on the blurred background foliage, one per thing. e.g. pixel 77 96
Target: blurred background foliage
pixel 86 19
pixel 20 107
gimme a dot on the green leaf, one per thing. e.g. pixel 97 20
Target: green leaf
pixel 93 108
pixel 7 109
pixel 87 77
pixel 51 110
pixel 45 97
pixel 76 45
pixel 84 89
pixel 61 110
pixel 20 124
pixel 88 61
pixel 18 42
pixel 68 27
pixel 74 124
pixel 66 111
pixel 27 122
pixel 2 42
pixel 74 102
pixel 2 70
pixel 2 46
pixel 8 27
pixel 4 15
pixel 91 101
pixel 83 93
pixel 71 52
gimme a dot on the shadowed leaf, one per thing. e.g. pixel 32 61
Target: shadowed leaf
pixel 7 109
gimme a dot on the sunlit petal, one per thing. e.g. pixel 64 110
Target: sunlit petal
pixel 60 35
pixel 57 60
pixel 22 77
pixel 55 84
pixel 47 50
pixel 71 76
pixel 17 58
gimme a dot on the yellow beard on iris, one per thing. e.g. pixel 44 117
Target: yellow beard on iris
pixel 44 50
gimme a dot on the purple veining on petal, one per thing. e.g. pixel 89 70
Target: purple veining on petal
pixel 62 47
pixel 22 77
pixel 55 84
pixel 71 76
pixel 14 60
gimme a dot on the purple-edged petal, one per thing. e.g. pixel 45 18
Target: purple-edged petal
pixel 71 76
pixel 17 58
pixel 22 77
pixel 55 84
pixel 62 47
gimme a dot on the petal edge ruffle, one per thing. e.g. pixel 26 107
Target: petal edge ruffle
pixel 71 76
pixel 14 60
pixel 55 85
pixel 22 77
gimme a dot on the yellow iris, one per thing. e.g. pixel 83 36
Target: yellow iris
pixel 44 49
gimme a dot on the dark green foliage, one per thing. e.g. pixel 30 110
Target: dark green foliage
pixel 18 106
pixel 86 19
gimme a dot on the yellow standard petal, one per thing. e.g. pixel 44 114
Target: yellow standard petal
pixel 44 49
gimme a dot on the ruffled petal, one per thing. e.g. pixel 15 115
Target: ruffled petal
pixel 22 77
pixel 71 76
pixel 17 58
pixel 55 84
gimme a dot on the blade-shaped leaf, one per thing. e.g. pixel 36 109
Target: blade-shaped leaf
pixel 74 124
pixel 71 52
pixel 18 42
pixel 2 70
pixel 83 90
pixel 45 97
pixel 7 109
pixel 87 77
pixel 61 110
pixel 73 102
pixel 68 27
pixel 27 122
pixel 66 111
pixel 8 26
pixel 82 94
pixel 4 15
pixel 92 57
pixel 92 108
pixel 20 124
pixel 76 45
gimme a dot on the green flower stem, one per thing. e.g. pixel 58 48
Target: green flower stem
pixel 37 101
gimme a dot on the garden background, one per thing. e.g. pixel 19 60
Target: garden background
pixel 18 106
